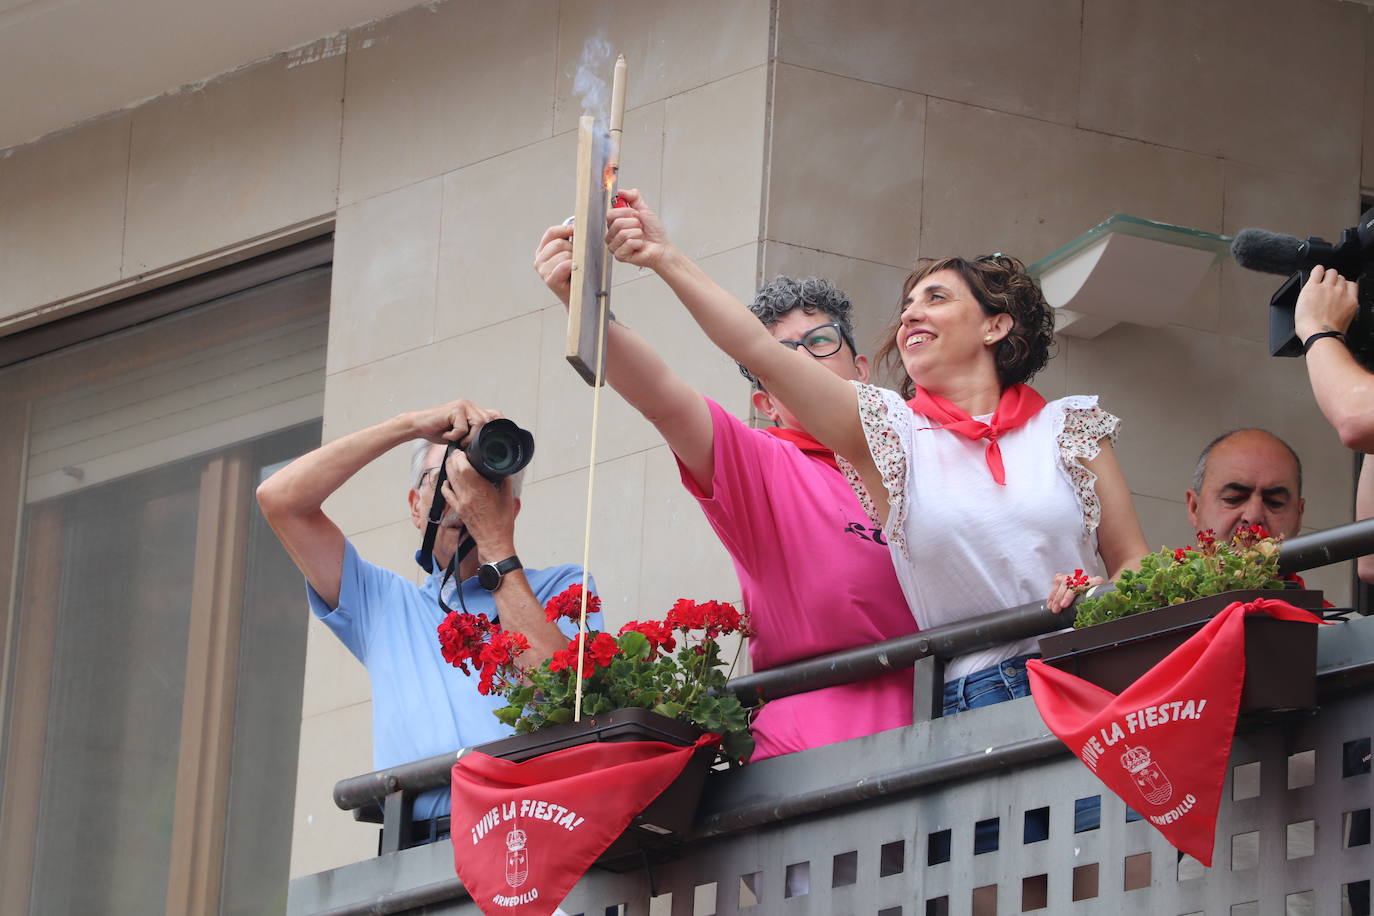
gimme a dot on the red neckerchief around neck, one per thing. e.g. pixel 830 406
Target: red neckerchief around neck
pixel 1017 405
pixel 806 442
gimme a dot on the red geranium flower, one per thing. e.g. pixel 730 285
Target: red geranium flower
pixel 660 635
pixel 1207 542
pixel 568 603
pixel 715 617
pixel 563 658
pixel 601 650
pixel 685 615
pixel 503 649
pixel 462 637
pixel 722 617
pixel 1248 535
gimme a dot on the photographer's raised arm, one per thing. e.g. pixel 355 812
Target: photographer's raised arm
pixel 825 404
pixel 638 374
pixel 1344 390
pixel 292 498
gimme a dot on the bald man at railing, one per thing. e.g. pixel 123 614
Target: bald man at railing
pixel 1246 477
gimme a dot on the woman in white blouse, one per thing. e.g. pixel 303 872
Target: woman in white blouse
pixel 987 495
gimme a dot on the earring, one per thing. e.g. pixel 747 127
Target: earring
pixel 988 339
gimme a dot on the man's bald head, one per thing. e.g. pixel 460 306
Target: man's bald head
pixel 1247 477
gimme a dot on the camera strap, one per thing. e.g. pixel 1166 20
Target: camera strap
pixel 451 572
pixel 436 514
pixel 465 546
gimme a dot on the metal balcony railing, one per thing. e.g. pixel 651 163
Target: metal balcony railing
pixel 917 794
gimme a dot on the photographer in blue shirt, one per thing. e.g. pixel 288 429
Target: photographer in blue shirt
pixel 421 706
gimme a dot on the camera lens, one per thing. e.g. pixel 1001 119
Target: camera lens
pixel 497 454
pixel 501 449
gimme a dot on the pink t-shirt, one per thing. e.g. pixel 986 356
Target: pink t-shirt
pixel 816 577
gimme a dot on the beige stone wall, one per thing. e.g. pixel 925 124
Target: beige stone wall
pixel 902 130
pixel 797 137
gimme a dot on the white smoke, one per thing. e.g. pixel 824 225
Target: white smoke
pixel 590 84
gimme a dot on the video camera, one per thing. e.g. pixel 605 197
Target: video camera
pixel 1352 257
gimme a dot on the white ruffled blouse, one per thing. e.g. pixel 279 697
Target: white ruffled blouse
pixel 964 545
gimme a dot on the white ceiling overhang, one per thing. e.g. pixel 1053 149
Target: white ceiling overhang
pixel 64 61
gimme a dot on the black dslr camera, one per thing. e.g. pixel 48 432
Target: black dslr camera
pixel 499 449
pixel 1352 257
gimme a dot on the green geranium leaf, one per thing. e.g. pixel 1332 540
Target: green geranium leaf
pixel 737 745
pixel 634 644
pixel 1165 578
pixel 671 710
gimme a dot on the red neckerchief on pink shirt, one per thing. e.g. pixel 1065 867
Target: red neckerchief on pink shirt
pixel 1017 405
pixel 806 442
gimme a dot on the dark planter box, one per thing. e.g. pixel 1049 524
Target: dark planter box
pixel 1280 655
pixel 656 832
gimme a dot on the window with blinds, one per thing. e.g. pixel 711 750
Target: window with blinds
pixel 153 648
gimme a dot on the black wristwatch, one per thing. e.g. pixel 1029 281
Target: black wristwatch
pixel 489 575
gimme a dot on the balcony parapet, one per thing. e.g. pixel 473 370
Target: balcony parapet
pixel 937 775
pixel 852 780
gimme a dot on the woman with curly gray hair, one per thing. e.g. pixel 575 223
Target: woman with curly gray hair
pixel 986 494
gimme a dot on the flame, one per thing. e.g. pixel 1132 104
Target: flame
pixel 608 177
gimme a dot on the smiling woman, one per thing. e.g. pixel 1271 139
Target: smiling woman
pixel 935 299
pixel 969 458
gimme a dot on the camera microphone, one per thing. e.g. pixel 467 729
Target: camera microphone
pixel 1270 252
pixel 1276 253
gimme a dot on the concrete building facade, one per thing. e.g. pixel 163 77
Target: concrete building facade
pixel 791 136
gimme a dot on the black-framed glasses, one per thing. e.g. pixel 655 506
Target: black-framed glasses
pixel 821 341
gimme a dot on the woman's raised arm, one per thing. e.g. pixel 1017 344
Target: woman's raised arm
pixel 824 403
pixel 636 371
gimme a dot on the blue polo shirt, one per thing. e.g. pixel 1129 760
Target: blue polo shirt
pixel 422 705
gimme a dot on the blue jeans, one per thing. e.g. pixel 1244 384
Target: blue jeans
pixel 1006 681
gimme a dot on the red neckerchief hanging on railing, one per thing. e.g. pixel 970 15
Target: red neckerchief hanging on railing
pixel 1163 743
pixel 1017 405
pixel 525 833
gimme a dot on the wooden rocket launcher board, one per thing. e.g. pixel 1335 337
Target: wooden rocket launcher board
pixel 598 164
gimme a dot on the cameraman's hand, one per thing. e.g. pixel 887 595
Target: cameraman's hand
pixel 488 512
pixel 634 232
pixel 1327 303
pixel 553 261
pixel 450 422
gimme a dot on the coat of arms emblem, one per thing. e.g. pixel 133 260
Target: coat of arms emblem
pixel 1148 777
pixel 517 858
